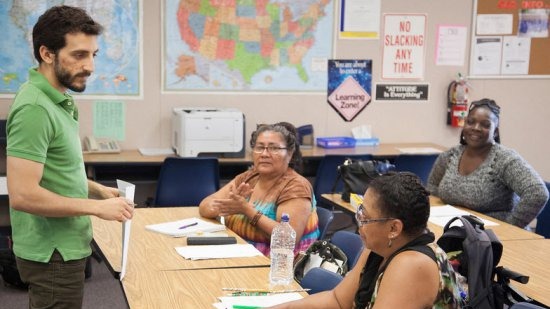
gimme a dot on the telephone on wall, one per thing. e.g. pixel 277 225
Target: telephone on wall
pixel 101 145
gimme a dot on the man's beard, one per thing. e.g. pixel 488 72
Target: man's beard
pixel 66 79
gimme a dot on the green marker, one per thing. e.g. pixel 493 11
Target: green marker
pixel 245 307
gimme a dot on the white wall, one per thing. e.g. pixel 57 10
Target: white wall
pixel 525 103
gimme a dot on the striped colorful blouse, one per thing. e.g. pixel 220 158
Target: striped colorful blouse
pixel 290 185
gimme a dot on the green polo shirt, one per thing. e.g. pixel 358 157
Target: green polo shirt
pixel 42 126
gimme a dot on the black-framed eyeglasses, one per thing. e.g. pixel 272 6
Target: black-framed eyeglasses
pixel 270 149
pixel 361 222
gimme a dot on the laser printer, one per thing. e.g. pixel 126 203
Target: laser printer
pixel 213 132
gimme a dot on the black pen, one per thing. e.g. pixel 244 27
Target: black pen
pixel 187 225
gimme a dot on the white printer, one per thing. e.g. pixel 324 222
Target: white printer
pixel 202 131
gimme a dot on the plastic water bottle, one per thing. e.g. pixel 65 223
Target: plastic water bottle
pixel 283 240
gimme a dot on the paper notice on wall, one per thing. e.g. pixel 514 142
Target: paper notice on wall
pixel 487 56
pixel 404 45
pixel 109 119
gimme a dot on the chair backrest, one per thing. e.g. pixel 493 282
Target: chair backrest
pixel 525 305
pixel 419 164
pixel 543 219
pixel 325 218
pixel 328 171
pixel 186 181
pixel 319 279
pixel 350 243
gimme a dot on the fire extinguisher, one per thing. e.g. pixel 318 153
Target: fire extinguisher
pixel 457 102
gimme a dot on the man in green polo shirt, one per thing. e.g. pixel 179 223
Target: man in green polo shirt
pixel 47 184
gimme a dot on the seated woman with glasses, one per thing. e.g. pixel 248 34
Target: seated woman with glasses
pixel 253 202
pixel 401 266
pixel 485 176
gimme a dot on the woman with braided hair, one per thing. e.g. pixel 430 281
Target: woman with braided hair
pixel 485 176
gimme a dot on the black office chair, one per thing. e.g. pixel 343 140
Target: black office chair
pixel 350 243
pixel 325 218
pixel 419 164
pixel 525 305
pixel 186 181
pixel 543 219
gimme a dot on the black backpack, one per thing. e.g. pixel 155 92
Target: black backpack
pixel 474 252
pixel 8 266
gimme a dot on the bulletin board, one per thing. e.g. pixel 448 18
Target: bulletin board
pixel 510 39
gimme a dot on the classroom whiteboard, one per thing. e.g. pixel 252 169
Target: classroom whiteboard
pixel 510 39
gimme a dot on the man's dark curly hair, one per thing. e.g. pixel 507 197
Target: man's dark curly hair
pixel 402 196
pixel 56 22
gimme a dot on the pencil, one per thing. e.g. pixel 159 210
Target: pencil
pixel 187 225
pixel 246 290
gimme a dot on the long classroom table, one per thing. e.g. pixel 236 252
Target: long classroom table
pixel 155 249
pixel 503 230
pixel 189 288
pixel 530 257
pixel 382 150
pixel 157 277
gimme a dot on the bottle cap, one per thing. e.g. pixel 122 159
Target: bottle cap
pixel 285 217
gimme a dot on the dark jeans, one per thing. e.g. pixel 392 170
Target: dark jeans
pixel 56 284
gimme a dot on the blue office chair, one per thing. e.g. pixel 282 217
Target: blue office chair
pixel 350 243
pixel 325 218
pixel 186 181
pixel 524 305
pixel 543 219
pixel 319 279
pixel 327 173
pixel 419 164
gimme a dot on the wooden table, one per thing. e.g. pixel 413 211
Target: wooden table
pixel 155 249
pixel 531 258
pixel 189 288
pixel 382 150
pixel 157 277
pixel 503 230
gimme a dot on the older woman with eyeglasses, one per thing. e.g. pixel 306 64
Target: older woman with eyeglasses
pixel 485 176
pixel 401 266
pixel 253 202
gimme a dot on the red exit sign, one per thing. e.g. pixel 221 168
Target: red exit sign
pixel 525 4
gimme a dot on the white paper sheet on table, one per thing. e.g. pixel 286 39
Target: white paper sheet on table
pixel 256 301
pixel 440 215
pixel 173 228
pixel 126 190
pixel 218 251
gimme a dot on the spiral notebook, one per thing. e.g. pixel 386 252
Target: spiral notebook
pixel 185 227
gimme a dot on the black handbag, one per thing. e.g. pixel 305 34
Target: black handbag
pixel 357 174
pixel 329 257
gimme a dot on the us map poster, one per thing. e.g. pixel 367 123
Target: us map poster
pixel 349 86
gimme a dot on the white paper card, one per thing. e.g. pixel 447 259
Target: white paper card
pixel 185 227
pixel 126 190
pixel 258 301
pixel 440 215
pixel 218 251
